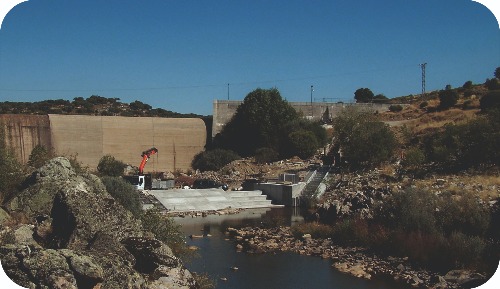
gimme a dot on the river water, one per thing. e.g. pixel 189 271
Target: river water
pixel 267 271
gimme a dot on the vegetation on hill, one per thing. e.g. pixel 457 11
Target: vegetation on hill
pixel 93 105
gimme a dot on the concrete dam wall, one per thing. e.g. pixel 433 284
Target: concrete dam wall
pixel 223 110
pixel 178 140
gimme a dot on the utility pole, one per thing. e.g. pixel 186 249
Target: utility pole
pixel 312 113
pixel 228 91
pixel 422 66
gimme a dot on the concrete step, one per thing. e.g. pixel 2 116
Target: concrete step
pixel 209 199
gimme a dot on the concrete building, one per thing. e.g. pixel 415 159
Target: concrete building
pixel 178 140
pixel 223 110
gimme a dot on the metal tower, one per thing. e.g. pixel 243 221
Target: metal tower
pixel 423 78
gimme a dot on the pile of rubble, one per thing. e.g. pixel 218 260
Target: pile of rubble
pixel 354 195
pixel 236 172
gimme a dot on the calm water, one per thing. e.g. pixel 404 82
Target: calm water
pixel 268 271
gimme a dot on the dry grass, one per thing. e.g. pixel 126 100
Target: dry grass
pixel 486 187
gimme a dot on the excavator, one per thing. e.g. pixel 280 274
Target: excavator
pixel 142 181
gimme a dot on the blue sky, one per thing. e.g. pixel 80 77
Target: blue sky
pixel 181 55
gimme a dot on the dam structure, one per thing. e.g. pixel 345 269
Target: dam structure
pixel 89 138
pixel 223 110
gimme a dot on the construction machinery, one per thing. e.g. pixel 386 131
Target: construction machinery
pixel 142 181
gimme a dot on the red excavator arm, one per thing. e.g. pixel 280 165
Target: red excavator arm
pixel 145 157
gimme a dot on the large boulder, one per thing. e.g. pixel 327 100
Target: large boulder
pixel 78 215
pixel 82 238
pixel 42 185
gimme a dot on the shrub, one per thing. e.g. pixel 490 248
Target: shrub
pixel 213 160
pixel 124 193
pixel 423 104
pixel 490 100
pixel 414 158
pixel 316 230
pixel 395 108
pixel 11 171
pixel 166 230
pixel 411 211
pixel 462 214
pixel 109 166
pixel 352 231
pixel 39 155
pixel 467 104
pixel 447 98
pixel 427 248
pixel 467 85
pixel 265 155
pixel 465 250
pixel 492 84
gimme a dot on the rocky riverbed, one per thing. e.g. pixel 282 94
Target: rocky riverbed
pixel 355 261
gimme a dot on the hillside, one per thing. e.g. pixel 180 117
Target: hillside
pixel 93 105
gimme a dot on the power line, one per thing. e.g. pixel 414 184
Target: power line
pixel 206 85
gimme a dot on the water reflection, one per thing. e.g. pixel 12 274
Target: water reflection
pixel 275 271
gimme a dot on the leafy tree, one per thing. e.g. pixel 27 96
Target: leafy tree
pixel 363 140
pixel 362 95
pixel 379 98
pixel 467 85
pixel 124 193
pixel 303 143
pixel 258 122
pixel 497 72
pixel 447 98
pixel 109 166
pixel 266 155
pixel 492 84
pixel 96 99
pixel 138 105
pixel 39 155
pixel 213 160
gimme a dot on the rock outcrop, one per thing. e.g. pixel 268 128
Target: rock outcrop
pixel 82 238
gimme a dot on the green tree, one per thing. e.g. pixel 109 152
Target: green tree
pixel 363 140
pixel 447 98
pixel 492 84
pixel 380 98
pixel 467 85
pixel 362 95
pixel 497 72
pixel 490 100
pixel 303 143
pixel 258 122
pixel 213 160
pixel 109 166
pixel 266 155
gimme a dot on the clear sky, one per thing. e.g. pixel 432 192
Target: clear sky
pixel 181 55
